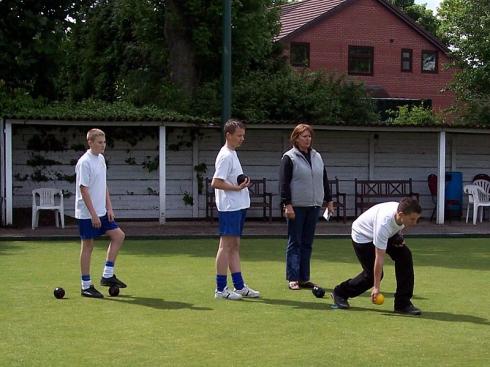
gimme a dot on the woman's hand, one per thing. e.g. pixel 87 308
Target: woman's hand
pixel 289 212
pixel 330 207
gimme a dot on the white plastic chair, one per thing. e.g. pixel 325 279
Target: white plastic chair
pixel 484 184
pixel 478 198
pixel 47 202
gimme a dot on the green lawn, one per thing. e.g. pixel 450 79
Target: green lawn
pixel 168 316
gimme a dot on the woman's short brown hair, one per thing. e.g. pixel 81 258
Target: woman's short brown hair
pixel 298 130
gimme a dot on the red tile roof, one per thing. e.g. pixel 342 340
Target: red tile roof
pixel 300 15
pixel 296 15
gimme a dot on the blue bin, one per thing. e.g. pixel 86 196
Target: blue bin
pixel 454 194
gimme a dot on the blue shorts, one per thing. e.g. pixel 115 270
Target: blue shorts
pixel 231 223
pixel 87 232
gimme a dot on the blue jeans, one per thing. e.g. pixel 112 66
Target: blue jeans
pixel 301 231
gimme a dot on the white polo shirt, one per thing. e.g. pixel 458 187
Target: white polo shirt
pixel 376 225
pixel 91 172
pixel 227 168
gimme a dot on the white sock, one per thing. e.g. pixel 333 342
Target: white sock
pixel 86 284
pixel 108 271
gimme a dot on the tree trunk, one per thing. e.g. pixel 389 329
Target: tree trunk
pixel 181 58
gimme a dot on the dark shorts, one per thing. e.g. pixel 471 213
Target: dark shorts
pixel 87 232
pixel 231 223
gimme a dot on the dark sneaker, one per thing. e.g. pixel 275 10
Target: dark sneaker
pixel 307 285
pixel 338 301
pixel 91 292
pixel 409 310
pixel 109 282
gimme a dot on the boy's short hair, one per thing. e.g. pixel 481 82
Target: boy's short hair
pixel 409 205
pixel 94 133
pixel 231 126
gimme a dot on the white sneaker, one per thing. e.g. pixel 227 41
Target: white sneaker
pixel 227 294
pixel 247 292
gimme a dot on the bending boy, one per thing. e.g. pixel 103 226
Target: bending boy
pixel 375 233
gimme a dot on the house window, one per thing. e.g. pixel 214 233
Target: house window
pixel 429 61
pixel 406 59
pixel 361 60
pixel 300 54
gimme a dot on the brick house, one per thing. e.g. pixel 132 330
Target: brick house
pixel 371 41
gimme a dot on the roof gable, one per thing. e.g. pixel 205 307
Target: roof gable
pixel 297 17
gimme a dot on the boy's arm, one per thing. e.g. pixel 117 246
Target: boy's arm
pixel 88 203
pixel 108 205
pixel 218 183
pixel 378 271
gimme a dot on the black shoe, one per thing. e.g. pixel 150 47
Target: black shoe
pixel 338 301
pixel 91 292
pixel 409 310
pixel 109 282
pixel 307 285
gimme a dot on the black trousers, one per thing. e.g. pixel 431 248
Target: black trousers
pixel 402 257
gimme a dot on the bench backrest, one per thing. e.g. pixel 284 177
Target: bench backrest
pixel 258 187
pixel 372 192
pixel 383 188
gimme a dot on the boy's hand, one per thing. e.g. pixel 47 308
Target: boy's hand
pixel 110 215
pixel 96 222
pixel 397 240
pixel 374 294
pixel 246 183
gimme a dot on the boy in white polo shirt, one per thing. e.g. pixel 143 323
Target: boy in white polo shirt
pixel 374 233
pixel 93 209
pixel 232 202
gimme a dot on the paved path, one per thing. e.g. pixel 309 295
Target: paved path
pixel 173 229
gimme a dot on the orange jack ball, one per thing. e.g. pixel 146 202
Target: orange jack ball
pixel 379 300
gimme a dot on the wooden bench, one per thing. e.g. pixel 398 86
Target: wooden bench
pixel 338 198
pixel 259 198
pixel 372 192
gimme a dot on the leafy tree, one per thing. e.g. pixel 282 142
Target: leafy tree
pixel 308 96
pixel 166 45
pixel 416 115
pixel 402 4
pixel 197 26
pixel 116 50
pixel 421 15
pixel 166 54
pixel 30 36
pixel 467 26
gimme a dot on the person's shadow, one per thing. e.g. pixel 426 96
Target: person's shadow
pixel 328 305
pixel 431 315
pixel 321 306
pixel 157 303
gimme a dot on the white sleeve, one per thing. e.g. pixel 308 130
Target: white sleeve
pixel 223 167
pixel 84 173
pixel 380 234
